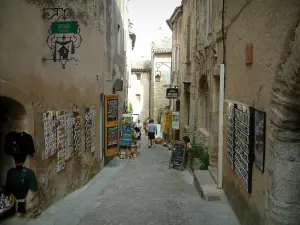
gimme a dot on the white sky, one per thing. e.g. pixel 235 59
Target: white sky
pixel 147 17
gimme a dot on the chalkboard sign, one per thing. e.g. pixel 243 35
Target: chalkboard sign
pixel 178 154
pixel 259 139
pixel 242 145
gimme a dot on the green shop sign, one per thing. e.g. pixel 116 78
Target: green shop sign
pixel 64 27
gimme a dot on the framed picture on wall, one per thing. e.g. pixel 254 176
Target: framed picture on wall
pixel 259 139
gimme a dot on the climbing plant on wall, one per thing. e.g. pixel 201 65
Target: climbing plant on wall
pixel 159 115
pixel 130 109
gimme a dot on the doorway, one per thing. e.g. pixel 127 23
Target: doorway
pixel 10 111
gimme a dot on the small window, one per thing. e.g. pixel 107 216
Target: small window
pixel 138 76
pixel 138 97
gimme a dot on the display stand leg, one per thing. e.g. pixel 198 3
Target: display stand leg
pixel 170 162
pixel 172 149
pixel 183 160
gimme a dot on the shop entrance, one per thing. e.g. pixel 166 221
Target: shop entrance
pixel 10 112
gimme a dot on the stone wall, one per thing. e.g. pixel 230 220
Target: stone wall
pixel 43 85
pixel 140 87
pixel 269 26
pixel 197 112
pixel 158 96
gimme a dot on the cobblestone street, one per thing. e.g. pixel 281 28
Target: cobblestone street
pixel 138 191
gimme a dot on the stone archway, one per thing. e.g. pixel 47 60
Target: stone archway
pixel 11 111
pixel 11 91
pixel 7 89
pixel 283 177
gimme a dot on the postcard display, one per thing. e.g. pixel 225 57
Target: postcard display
pixel 111 125
pixel 50 134
pixel 70 121
pixel 90 129
pixel 130 148
pixel 230 134
pixel 61 140
pixel 62 135
pixel 126 130
pixel 239 143
pixel 77 132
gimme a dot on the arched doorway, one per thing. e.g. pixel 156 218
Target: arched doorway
pixel 11 113
pixel 283 159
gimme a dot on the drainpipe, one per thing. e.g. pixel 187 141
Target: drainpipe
pixel 221 110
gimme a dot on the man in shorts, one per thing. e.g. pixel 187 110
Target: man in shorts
pixel 152 130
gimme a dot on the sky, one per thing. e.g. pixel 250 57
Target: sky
pixel 149 23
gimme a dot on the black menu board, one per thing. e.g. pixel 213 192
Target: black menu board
pixel 230 133
pixel 243 145
pixel 177 157
pixel 259 139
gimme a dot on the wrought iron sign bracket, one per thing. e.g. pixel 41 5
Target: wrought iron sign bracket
pixel 64 36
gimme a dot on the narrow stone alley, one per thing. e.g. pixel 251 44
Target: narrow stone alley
pixel 137 191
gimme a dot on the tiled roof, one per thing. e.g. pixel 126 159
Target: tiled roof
pixel 163 45
pixel 141 64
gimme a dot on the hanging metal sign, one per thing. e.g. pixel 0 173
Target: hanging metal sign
pixel 172 93
pixel 64 27
pixel 64 36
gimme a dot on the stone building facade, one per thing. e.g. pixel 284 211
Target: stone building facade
pixel 32 84
pixel 269 83
pixel 139 88
pixel 261 57
pixel 160 76
pixel 197 55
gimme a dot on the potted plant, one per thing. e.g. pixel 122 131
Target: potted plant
pixel 198 157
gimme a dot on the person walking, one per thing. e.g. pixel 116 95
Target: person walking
pixel 146 126
pixel 152 130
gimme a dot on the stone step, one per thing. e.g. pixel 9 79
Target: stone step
pixel 207 188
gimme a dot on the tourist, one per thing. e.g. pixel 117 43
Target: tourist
pixel 152 131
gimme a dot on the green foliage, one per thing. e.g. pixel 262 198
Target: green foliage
pixel 199 151
pixel 159 115
pixel 130 110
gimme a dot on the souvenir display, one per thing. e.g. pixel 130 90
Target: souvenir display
pixel 112 110
pixel 77 131
pixel 62 135
pixel 6 202
pixel 112 137
pixel 19 145
pixel 130 148
pixel 90 129
pixel 70 122
pixel 111 125
pixel 49 119
pixel 242 145
pixel 259 139
pixel 230 133
pixel 19 181
pixel 126 130
pixel 61 140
